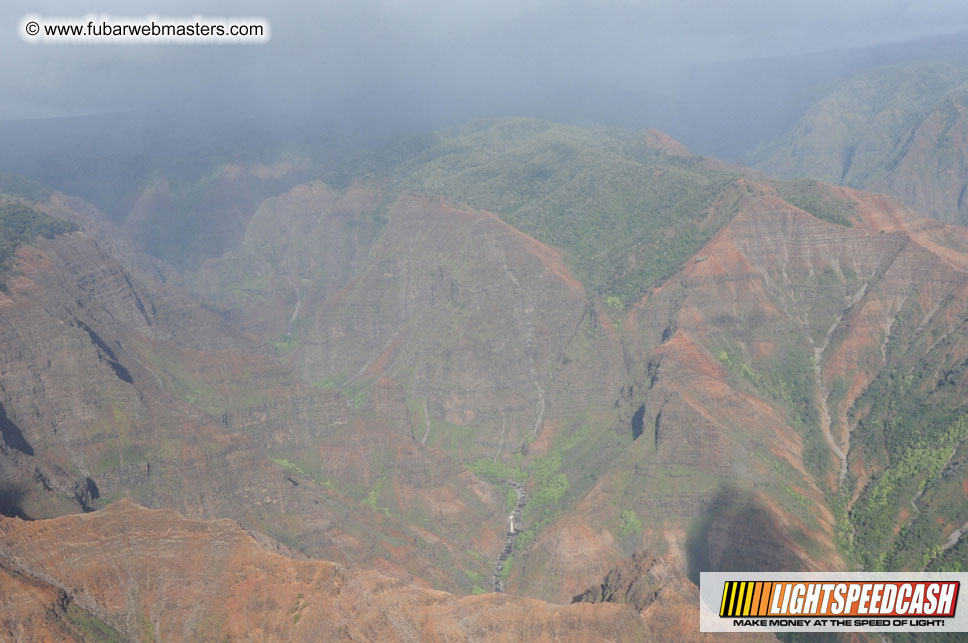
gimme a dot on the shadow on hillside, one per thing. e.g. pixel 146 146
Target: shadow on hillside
pixel 734 535
pixel 10 497
pixel 12 436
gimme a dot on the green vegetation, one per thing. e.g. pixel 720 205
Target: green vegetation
pixel 21 187
pixel 195 386
pixel 550 486
pixel 282 462
pixel 147 628
pixel 550 492
pixel 91 627
pixel 332 382
pixel 615 308
pixel 788 379
pixel 630 524
pixel 811 196
pixel 912 427
pixel 295 610
pixel 477 556
pixel 109 461
pixel 22 224
pixel 874 514
pixel 798 497
pixel 356 391
pixel 285 344
pixel 612 302
pixel 455 438
pixel 372 499
pixel 564 473
pixel 307 469
pixel 506 570
pixel 497 471
pixel 567 443
pixel 919 461
pixel 626 214
pixel 954 559
pixel 574 452
pixel 526 537
pixel 843 530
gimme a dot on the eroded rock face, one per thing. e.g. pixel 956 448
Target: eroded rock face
pixel 150 574
pixel 116 385
pixel 470 315
pixel 476 311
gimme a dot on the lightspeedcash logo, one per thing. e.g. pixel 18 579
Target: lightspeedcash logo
pixel 867 598
pixel 831 602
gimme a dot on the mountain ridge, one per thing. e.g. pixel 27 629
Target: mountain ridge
pixel 262 590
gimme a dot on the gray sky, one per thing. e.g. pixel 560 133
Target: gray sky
pixel 330 51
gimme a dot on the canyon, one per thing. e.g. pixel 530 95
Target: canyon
pixel 658 363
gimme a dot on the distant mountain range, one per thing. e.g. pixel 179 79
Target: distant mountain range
pixel 900 129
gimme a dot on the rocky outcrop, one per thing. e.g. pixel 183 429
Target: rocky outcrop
pixel 657 591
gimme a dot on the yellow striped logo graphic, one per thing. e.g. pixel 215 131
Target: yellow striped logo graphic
pixel 746 598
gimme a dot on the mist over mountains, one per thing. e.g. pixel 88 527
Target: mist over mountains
pixel 727 110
